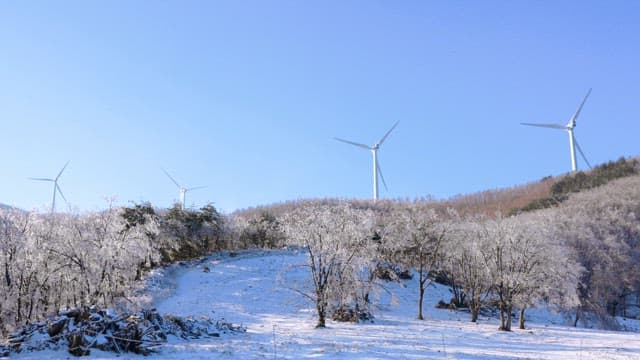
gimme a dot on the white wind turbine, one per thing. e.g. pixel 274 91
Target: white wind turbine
pixel 376 166
pixel 183 190
pixel 56 187
pixel 573 143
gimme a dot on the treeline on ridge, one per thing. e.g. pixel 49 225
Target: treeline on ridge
pixel 582 254
pixel 581 181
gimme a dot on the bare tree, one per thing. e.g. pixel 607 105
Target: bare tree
pixel 334 237
pixel 466 264
pixel 61 260
pixel 421 232
pixel 13 228
pixel 546 272
pixel 523 264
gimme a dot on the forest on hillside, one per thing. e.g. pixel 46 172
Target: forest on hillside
pixel 578 251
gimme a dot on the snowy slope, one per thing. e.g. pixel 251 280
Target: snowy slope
pixel 255 289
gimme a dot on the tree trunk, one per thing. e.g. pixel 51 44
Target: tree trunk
pixel 612 307
pixel 521 319
pixel 321 305
pixel 420 297
pixel 421 294
pixel 321 320
pixel 505 306
pixel 475 310
pixel 322 314
pixel 7 275
pixel 505 317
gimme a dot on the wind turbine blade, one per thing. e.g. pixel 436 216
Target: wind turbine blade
pixel 61 194
pixel 64 167
pixel 172 179
pixel 381 176
pixel 575 116
pixel 41 179
pixel 582 153
pixel 195 188
pixel 388 132
pixel 354 143
pixel 552 126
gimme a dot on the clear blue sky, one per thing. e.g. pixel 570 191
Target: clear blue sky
pixel 245 96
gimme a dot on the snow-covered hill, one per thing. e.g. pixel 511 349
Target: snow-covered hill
pixel 257 289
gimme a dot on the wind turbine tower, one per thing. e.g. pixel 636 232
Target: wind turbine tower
pixel 56 187
pixel 573 143
pixel 376 166
pixel 182 190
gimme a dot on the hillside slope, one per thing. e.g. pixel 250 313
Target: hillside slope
pixel 256 289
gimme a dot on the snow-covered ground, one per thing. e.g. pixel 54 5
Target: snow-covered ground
pixel 256 290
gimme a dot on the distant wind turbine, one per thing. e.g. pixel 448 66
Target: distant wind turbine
pixel 56 187
pixel 573 143
pixel 376 166
pixel 183 190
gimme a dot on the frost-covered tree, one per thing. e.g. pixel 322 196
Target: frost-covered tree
pixel 602 229
pixel 261 229
pixel 95 257
pixel 13 227
pixel 190 233
pixel 523 264
pixel 60 260
pixel 547 272
pixel 420 231
pixel 466 264
pixel 334 237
